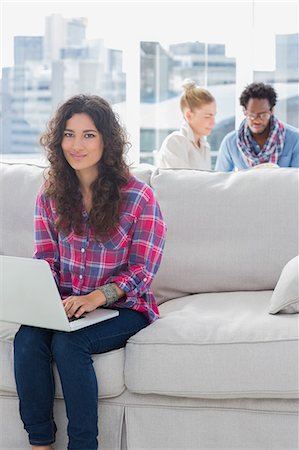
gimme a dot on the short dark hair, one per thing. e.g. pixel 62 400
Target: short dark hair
pixel 258 90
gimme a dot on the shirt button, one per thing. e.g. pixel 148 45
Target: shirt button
pixel 80 276
pixel 82 250
pixel 144 279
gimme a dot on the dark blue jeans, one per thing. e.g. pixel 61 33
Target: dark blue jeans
pixel 36 348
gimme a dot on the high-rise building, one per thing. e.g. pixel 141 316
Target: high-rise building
pixel 287 57
pixel 204 63
pixel 187 48
pixel 155 65
pixel 62 33
pixel 27 105
pixel 28 48
pixel 55 37
pixel 50 69
pixel 220 68
pixel 286 61
pixel 76 31
pixel 285 77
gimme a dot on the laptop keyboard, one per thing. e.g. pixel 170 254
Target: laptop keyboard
pixel 71 319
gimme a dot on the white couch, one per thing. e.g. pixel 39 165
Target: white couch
pixel 217 371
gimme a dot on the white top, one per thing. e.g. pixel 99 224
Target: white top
pixel 180 150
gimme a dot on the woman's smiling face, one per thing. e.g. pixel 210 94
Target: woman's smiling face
pixel 82 144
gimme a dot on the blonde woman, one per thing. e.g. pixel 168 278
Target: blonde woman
pixel 188 148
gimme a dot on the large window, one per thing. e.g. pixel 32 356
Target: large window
pixel 136 55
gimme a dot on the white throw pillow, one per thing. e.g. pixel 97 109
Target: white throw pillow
pixel 285 298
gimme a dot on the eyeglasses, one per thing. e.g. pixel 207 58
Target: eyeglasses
pixel 262 116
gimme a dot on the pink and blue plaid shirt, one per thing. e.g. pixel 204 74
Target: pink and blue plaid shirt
pixel 130 258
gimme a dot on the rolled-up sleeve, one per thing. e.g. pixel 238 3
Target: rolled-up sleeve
pixel 145 252
pixel 45 235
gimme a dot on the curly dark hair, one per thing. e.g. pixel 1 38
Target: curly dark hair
pixel 62 183
pixel 258 90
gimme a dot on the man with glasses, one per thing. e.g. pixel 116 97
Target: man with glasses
pixel 261 137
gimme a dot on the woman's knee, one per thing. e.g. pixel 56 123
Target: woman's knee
pixel 67 347
pixel 32 340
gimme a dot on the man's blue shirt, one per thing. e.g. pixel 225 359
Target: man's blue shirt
pixel 229 156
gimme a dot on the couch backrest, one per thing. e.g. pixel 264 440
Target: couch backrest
pixel 226 231
pixel 19 184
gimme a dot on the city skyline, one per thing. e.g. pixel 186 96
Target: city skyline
pixel 64 59
pixel 104 23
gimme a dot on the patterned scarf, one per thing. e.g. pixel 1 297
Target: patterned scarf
pixel 270 151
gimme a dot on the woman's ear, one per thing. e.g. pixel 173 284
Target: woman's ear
pixel 188 114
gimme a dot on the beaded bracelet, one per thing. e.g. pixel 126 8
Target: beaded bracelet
pixel 110 293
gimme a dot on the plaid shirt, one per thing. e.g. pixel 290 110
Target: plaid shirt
pixel 130 257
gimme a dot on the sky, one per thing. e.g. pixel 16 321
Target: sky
pixel 122 23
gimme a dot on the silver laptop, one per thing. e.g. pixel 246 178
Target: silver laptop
pixel 29 296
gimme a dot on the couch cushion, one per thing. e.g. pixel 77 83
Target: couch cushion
pixel 109 367
pixel 226 231
pixel 217 345
pixel 285 298
pixel 143 172
pixel 207 424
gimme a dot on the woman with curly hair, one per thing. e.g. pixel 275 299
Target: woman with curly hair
pixel 102 233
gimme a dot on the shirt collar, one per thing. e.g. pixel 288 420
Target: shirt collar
pixel 188 132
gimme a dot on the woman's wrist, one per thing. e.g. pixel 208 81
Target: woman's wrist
pixel 110 293
pixel 97 297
